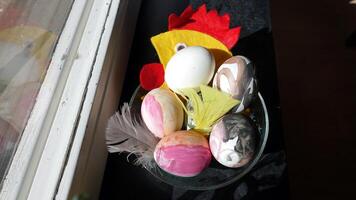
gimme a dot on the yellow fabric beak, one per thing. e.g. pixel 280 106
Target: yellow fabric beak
pixel 165 43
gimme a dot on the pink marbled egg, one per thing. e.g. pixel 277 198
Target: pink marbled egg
pixel 183 153
pixel 161 112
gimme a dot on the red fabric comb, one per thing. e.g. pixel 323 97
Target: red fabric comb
pixel 206 22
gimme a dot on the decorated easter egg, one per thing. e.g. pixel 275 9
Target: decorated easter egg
pixel 161 112
pixel 236 77
pixel 233 140
pixel 190 67
pixel 183 153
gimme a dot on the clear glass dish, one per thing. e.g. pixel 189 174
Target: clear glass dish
pixel 216 175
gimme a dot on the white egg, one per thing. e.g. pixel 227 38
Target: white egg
pixel 189 68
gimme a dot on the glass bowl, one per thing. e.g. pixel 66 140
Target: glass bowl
pixel 216 175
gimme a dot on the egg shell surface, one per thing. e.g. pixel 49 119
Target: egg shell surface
pixel 236 77
pixel 189 68
pixel 183 153
pixel 161 112
pixel 233 140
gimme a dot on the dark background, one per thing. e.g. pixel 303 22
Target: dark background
pixel 316 65
pixel 306 72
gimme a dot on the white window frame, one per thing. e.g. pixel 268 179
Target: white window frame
pixel 45 162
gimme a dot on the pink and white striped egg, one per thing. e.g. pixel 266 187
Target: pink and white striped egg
pixel 161 112
pixel 183 153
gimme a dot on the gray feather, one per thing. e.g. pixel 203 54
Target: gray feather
pixel 125 133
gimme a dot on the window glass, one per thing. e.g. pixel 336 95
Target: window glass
pixel 29 30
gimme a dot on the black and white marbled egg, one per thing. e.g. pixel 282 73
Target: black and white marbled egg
pixel 236 76
pixel 233 140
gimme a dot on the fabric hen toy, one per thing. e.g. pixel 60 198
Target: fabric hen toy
pixel 192 28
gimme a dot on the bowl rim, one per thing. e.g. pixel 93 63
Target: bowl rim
pixel 239 176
